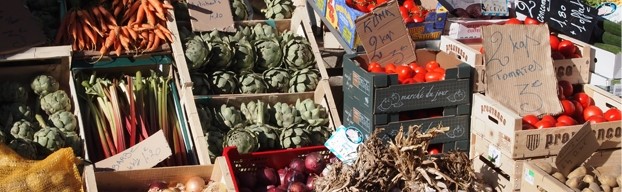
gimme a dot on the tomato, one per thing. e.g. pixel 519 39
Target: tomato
pixel 420 77
pixel 613 114
pixel 362 7
pixel 584 99
pixel 404 72
pixel 578 111
pixel 549 118
pixel 350 3
pixel 433 151
pixel 371 7
pixel 420 69
pixel 439 70
pixel 556 55
pixel 568 106
pixel 431 65
pixel 591 111
pixel 390 68
pixel 531 21
pixel 527 126
pixel 567 48
pixel 561 124
pixel 530 119
pixel 413 66
pixel 404 12
pixel 408 20
pixel 544 124
pixel 560 93
pixel 418 19
pixel 409 4
pixel 596 119
pixel 373 65
pixel 433 76
pixel 554 40
pixel 513 21
pixel 566 119
pixel 377 70
pixel 378 2
pixel 409 81
pixel 568 89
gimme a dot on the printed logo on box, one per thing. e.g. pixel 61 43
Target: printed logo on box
pixel 344 143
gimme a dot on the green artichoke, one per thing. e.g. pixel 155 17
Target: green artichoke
pixel 222 51
pixel 295 137
pixel 64 120
pixel 200 83
pixel 228 117
pixel 246 141
pixel 297 52
pixel 285 115
pixel 319 134
pixel 267 136
pixel 269 54
pixel 278 9
pixel 51 138
pixel 196 52
pixel 304 80
pixel 255 112
pixel 13 92
pixel 312 113
pixel 25 148
pixel 246 31
pixel 261 31
pixel 223 82
pixel 244 58
pixel 252 83
pixel 73 140
pixel 214 144
pixel 239 10
pixel 44 84
pixel 23 129
pixel 56 101
pixel 277 80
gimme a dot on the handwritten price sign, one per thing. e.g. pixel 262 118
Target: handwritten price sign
pixel 519 70
pixel 144 155
pixel 384 36
pixel 208 15
pixel 570 17
pixel 18 31
pixel 495 7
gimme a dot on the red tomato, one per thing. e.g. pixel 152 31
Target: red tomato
pixel 596 119
pixel 560 92
pixel 561 124
pixel 404 72
pixel 613 114
pixel 350 3
pixel 362 7
pixel 433 76
pixel 378 2
pixel 584 99
pixel 404 12
pixel 568 89
pixel 409 81
pixel 568 106
pixel 531 21
pixel 549 118
pixel 390 68
pixel 409 4
pixel 420 69
pixel 373 65
pixel 377 70
pixel 420 77
pixel 554 42
pixel 432 65
pixel 513 21
pixel 566 119
pixel 418 19
pixel 567 48
pixel 578 111
pixel 407 20
pixel 439 70
pixel 544 124
pixel 530 119
pixel 592 111
pixel 527 126
pixel 433 151
pixel 413 66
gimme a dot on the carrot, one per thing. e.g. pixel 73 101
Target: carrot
pixel 88 20
pixel 131 12
pixel 117 11
pixel 125 42
pixel 107 15
pixel 117 48
pixel 103 50
pixel 132 33
pixel 149 15
pixel 100 18
pixel 155 45
pixel 89 34
pixel 167 6
pixel 159 34
pixel 144 35
pixel 79 32
pixel 150 40
pixel 166 32
pixel 110 40
pixel 158 7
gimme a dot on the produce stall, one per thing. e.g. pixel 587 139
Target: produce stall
pixel 310 95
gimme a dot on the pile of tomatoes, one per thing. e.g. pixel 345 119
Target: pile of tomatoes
pixel 410 11
pixel 560 49
pixel 411 73
pixel 578 108
pixel 364 6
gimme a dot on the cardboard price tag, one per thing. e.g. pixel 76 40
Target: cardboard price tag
pixel 209 15
pixel 570 17
pixel 344 143
pixel 144 155
pixel 519 69
pixel 495 7
pixel 19 30
pixel 577 150
pixel 384 35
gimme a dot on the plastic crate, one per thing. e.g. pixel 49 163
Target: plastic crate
pixel 277 159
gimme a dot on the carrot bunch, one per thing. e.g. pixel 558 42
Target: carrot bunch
pixel 127 25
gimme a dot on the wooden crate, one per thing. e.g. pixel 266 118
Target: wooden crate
pixel 322 95
pixel 576 71
pixel 136 180
pixel 535 179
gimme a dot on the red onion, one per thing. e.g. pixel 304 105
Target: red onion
pixel 298 164
pixel 297 187
pixel 314 163
pixel 157 185
pixel 247 179
pixel 294 176
pixel 310 181
pixel 282 173
pixel 268 176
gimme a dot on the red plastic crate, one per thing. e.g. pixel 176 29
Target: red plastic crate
pixel 277 159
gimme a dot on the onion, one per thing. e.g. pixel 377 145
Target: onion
pixel 294 176
pixel 195 184
pixel 297 187
pixel 157 185
pixel 314 163
pixel 272 188
pixel 282 173
pixel 298 164
pixel 268 176
pixel 247 179
pixel 310 181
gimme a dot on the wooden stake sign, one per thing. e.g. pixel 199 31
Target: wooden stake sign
pixel 384 35
pixel 209 15
pixel 519 69
pixel 18 30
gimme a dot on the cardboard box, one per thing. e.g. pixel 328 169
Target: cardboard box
pixel 345 23
pixel 468 29
pixel 321 5
pixel 607 64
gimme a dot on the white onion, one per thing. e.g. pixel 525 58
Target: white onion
pixel 195 184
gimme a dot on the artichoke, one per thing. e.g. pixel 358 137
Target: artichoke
pixel 14 112
pixel 269 54
pixel 13 92
pixel 50 138
pixel 205 116
pixel 228 117
pixel 263 31
pixel 44 84
pixel 319 134
pixel 56 101
pixel 222 52
pixel 196 52
pixel 277 80
pixel 285 115
pixel 246 141
pixel 23 129
pixel 200 83
pixel 244 58
pixel 25 148
pixel 73 140
pixel 278 9
pixel 64 120
pixel 255 112
pixel 297 52
pixel 246 31
pixel 239 10
pixel 295 137
pixel 223 82
pixel 312 113
pixel 304 80
pixel 214 143
pixel 267 136
pixel 252 83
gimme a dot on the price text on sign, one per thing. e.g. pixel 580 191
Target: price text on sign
pixel 144 155
pixel 519 70
pixel 495 7
pixel 384 36
pixel 570 17
pixel 208 15
pixel 18 30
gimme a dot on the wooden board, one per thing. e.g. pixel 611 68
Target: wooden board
pixel 38 53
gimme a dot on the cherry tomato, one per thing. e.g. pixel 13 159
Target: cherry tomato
pixel 568 106
pixel 513 21
pixel 567 48
pixel 613 114
pixel 549 118
pixel 404 72
pixel 420 77
pixel 566 119
pixel 433 151
pixel 418 19
pixel 431 65
pixel 373 65
pixel 530 119
pixel 544 124
pixel 409 4
pixel 554 42
pixel 531 21
pixel 592 111
pixel 433 76
pixel 390 68
pixel 568 89
pixel 596 119
pixel 584 99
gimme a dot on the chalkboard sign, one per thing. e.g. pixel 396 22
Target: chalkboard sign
pixel 570 17
pixel 209 15
pixel 18 29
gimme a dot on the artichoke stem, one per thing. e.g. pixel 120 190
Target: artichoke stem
pixel 40 120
